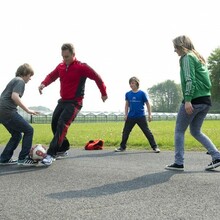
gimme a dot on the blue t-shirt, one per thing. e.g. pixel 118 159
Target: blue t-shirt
pixel 136 102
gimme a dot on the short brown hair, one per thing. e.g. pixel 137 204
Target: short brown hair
pixel 134 78
pixel 24 70
pixel 68 46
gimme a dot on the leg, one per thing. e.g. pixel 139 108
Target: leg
pixel 128 126
pixel 195 130
pixel 27 141
pixel 182 122
pixel 69 112
pixel 65 145
pixel 142 123
pixel 16 126
pixel 56 114
pixel 12 143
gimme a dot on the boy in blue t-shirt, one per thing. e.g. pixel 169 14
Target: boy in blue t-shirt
pixel 135 101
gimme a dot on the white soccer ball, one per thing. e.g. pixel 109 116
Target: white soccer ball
pixel 38 152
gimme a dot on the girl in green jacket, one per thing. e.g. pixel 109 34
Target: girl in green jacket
pixel 196 85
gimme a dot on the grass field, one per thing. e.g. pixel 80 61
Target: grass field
pixel 80 133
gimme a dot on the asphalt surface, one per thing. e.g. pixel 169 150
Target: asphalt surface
pixel 108 185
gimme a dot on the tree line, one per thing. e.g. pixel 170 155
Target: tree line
pixel 167 96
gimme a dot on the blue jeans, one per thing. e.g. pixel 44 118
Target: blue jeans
pixel 16 125
pixel 194 121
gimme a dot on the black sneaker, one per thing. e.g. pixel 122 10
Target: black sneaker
pixel 120 149
pixel 9 162
pixel 61 155
pixel 156 149
pixel 27 162
pixel 174 166
pixel 213 164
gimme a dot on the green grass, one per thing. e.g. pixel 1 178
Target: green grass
pixel 163 131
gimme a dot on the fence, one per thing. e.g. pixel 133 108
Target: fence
pixel 88 117
pixel 83 117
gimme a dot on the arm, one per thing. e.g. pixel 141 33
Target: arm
pixel 149 111
pixel 126 110
pixel 16 98
pixel 49 79
pixel 90 73
pixel 188 68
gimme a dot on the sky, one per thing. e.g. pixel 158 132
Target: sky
pixel 117 38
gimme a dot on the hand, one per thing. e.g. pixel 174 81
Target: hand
pixel 104 98
pixel 40 88
pixel 32 112
pixel 188 108
pixel 149 118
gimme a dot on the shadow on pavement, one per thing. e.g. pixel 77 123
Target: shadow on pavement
pixel 107 154
pixel 113 188
pixel 15 169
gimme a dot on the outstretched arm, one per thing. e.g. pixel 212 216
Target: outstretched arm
pixel 49 79
pixel 40 88
pixel 90 73
pixel 16 98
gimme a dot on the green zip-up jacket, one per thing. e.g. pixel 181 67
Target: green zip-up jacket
pixel 194 77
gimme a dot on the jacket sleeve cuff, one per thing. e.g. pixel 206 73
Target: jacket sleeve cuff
pixel 188 99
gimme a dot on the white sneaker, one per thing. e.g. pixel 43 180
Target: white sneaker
pixel 48 160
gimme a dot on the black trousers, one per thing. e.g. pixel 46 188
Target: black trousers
pixel 142 123
pixel 63 115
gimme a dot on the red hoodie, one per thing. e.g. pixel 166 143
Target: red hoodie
pixel 73 78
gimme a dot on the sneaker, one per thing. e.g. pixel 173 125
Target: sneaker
pixel 61 155
pixel 48 160
pixel 27 162
pixel 10 162
pixel 174 166
pixel 213 164
pixel 119 149
pixel 156 149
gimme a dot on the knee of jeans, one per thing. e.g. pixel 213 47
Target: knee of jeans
pixel 30 130
pixel 18 136
pixel 194 133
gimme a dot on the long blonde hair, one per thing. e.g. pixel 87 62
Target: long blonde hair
pixel 185 45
